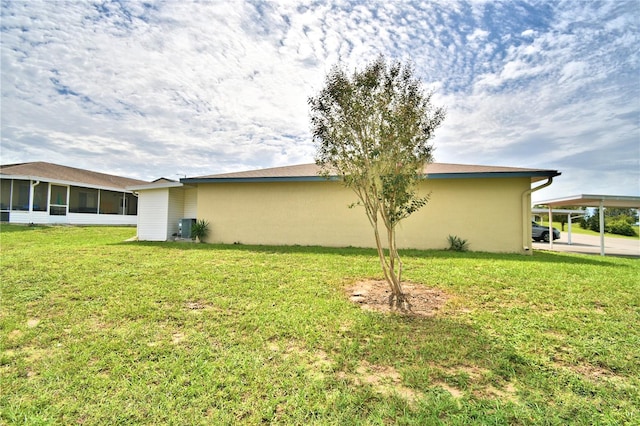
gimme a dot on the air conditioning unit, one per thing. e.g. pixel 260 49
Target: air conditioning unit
pixel 185 227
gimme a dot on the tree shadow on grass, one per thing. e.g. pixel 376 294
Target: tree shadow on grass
pixel 435 352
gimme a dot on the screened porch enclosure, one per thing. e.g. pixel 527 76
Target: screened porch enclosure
pixel 35 201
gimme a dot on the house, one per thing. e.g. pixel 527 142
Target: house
pixel 46 193
pixel 488 206
pixel 165 203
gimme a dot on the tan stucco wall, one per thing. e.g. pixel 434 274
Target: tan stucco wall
pixel 486 212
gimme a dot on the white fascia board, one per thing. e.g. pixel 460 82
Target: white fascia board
pixel 591 200
pixel 559 211
pixel 158 185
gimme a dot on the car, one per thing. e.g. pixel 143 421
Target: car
pixel 541 233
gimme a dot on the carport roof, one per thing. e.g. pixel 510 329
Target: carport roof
pixel 591 200
pixel 311 172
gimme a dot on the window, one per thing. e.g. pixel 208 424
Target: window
pixel 5 194
pixel 132 204
pixel 58 210
pixel 83 200
pixel 111 202
pixel 58 201
pixel 20 199
pixel 40 192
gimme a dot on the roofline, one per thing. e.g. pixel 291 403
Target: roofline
pixel 261 179
pixel 493 175
pixel 333 178
pixel 64 182
pixel 559 211
pixel 159 185
pixel 582 198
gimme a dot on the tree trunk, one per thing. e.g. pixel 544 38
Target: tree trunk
pixel 391 264
pixel 398 298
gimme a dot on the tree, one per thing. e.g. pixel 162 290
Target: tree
pixel 373 129
pixel 617 221
pixel 628 215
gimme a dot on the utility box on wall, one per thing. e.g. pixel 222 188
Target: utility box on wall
pixel 185 227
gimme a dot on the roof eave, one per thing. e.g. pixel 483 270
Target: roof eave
pixel 534 175
pixel 593 200
pixel 261 179
pixel 155 186
pixel 65 182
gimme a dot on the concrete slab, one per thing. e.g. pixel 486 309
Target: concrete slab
pixel 590 244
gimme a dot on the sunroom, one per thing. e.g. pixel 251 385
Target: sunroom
pixel 33 194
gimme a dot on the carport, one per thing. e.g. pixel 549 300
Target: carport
pixel 596 201
pixel 571 214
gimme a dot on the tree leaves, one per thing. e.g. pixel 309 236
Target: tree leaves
pixel 373 128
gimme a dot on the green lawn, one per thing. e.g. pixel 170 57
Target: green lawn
pixel 95 331
pixel 576 229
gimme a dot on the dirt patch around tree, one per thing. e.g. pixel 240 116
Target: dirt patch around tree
pixel 375 295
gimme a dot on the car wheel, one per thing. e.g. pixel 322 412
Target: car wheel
pixel 545 237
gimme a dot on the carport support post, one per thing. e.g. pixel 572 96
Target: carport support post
pixel 550 228
pixel 601 227
pixel 569 237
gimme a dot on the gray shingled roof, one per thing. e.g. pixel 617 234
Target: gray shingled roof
pixel 433 171
pixel 63 174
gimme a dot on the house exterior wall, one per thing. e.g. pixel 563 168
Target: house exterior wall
pixel 103 219
pixel 16 216
pixel 175 211
pixel 43 218
pixel 190 203
pixel 486 212
pixel 160 211
pixel 153 208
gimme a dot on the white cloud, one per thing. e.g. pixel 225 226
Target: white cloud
pixel 151 89
pixel 477 34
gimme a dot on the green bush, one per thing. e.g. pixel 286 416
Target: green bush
pixel 457 244
pixel 621 227
pixel 593 223
pixel 200 229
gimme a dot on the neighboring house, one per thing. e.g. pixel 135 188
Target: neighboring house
pixel 488 206
pixel 46 193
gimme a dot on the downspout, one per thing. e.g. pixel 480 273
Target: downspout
pixel 32 192
pixel 526 214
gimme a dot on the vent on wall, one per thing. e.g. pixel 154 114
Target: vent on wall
pixel 185 227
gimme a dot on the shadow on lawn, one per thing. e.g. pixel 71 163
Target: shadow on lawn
pixel 419 356
pixel 449 345
pixel 6 227
pixel 536 257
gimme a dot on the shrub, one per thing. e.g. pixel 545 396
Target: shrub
pixel 457 244
pixel 621 227
pixel 593 223
pixel 200 229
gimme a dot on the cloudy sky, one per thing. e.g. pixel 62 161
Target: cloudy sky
pixel 174 88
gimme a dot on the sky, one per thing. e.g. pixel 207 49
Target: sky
pixel 188 88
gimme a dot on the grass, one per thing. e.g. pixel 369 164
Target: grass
pixel 95 330
pixel 577 229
